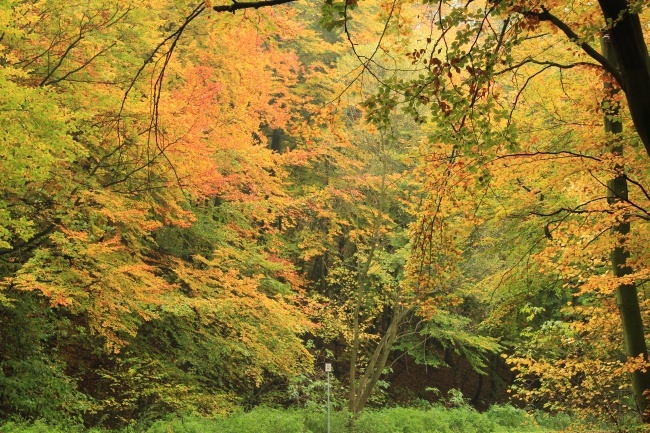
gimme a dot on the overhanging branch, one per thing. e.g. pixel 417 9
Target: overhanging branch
pixel 532 61
pixel 249 5
pixel 546 15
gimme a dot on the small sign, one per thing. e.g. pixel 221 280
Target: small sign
pixel 328 367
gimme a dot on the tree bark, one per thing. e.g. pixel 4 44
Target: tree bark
pixel 379 358
pixel 631 51
pixel 626 294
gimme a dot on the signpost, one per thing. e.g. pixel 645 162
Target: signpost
pixel 328 369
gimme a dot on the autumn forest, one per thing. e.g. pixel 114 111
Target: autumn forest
pixel 203 203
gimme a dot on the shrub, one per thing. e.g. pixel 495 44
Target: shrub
pixel 184 425
pixel 467 420
pixel 315 421
pixel 37 426
pixel 394 420
pixel 434 420
pixel 509 416
pixel 553 421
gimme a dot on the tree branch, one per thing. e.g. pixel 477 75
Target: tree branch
pixel 546 63
pixel 546 15
pixel 31 243
pixel 639 185
pixel 249 5
pixel 559 154
pixel 75 70
pixel 174 37
pixel 626 32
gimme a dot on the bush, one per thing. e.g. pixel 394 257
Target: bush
pixel 550 421
pixel 256 421
pixel 468 420
pixel 183 425
pixel 40 426
pixel 434 420
pixel 36 427
pixel 263 420
pixel 315 421
pixel 394 420
pixel 509 417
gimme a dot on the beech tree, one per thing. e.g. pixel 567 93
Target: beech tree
pixel 134 178
pixel 159 254
pixel 474 70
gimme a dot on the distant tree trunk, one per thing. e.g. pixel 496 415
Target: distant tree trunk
pixel 626 294
pixel 479 390
pixel 494 374
pixel 276 141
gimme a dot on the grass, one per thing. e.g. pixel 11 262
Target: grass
pixel 436 419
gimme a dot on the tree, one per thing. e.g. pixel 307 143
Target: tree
pixel 473 48
pixel 136 180
pixel 627 298
pixel 359 203
pixel 353 244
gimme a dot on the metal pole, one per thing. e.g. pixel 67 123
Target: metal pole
pixel 328 402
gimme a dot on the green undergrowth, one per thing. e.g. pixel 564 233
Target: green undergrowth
pixel 498 419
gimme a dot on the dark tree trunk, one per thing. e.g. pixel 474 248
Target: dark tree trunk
pixel 276 141
pixel 626 294
pixel 632 54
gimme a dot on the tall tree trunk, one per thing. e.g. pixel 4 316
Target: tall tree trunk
pixel 626 294
pixel 632 57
